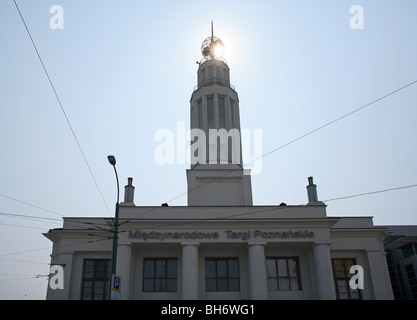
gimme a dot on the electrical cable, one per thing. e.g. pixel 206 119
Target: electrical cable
pixel 31 205
pixel 299 138
pixel 20 226
pixel 285 145
pixel 33 277
pixel 21 261
pixel 372 192
pixel 62 108
pixel 96 226
pixel 26 294
pixel 46 248
pixel 256 211
pixel 212 219
pixel 27 217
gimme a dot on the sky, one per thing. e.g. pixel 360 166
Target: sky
pixel 123 70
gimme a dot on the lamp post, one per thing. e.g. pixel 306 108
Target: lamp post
pixel 112 161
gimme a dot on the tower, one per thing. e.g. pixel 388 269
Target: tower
pixel 216 176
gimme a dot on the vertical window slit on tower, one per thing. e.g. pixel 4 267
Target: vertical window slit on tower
pixel 222 114
pixel 200 115
pixel 210 112
pixel 232 121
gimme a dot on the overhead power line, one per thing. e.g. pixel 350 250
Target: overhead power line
pixel 299 138
pixel 31 205
pixel 37 286
pixel 62 108
pixel 27 217
pixel 333 121
pixel 2 259
pixel 20 226
pixel 26 278
pixel 90 226
pixel 46 248
pixel 372 192
pixel 182 223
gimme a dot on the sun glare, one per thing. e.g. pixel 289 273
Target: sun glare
pixel 218 51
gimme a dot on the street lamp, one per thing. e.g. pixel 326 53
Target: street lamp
pixel 112 161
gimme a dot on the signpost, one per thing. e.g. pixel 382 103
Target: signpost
pixel 115 287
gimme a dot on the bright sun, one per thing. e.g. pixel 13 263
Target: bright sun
pixel 218 50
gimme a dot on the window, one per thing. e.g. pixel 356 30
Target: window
pixel 222 114
pixel 210 74
pixel 200 114
pixel 96 279
pixel 210 112
pixel 407 250
pixel 283 274
pixel 342 277
pixel 222 274
pixel 412 280
pixel 232 120
pixel 225 77
pixel 395 276
pixel 203 77
pixel 159 275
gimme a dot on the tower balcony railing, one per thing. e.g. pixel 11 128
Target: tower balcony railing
pixel 211 81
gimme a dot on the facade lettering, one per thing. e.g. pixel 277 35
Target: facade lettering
pixel 229 234
pixel 283 235
pixel 172 235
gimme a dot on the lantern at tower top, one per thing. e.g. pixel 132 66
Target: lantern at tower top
pixel 212 47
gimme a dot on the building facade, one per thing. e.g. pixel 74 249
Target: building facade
pixel 221 246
